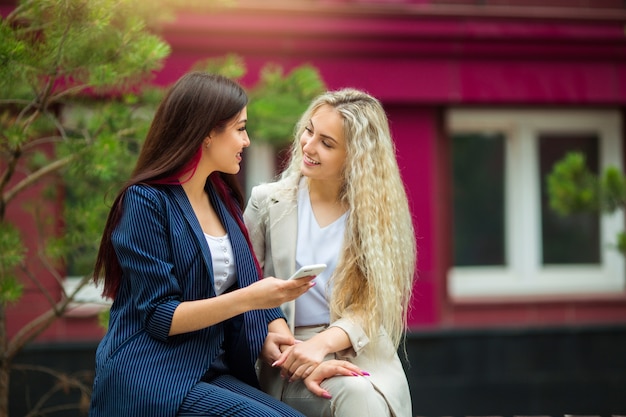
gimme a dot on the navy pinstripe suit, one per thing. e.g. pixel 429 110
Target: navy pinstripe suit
pixel 140 370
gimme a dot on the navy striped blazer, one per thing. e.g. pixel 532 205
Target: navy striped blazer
pixel 140 370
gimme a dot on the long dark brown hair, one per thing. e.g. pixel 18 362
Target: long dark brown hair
pixel 197 104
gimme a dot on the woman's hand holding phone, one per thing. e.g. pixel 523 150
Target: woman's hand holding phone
pixel 308 271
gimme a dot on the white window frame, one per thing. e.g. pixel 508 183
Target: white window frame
pixel 88 301
pixel 523 275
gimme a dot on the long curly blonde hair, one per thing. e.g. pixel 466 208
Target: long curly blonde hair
pixel 373 280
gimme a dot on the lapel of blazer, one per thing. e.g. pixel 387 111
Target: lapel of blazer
pixel 247 332
pixel 187 211
pixel 283 224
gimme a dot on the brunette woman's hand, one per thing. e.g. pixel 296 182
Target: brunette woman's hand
pixel 298 361
pixel 271 292
pixel 328 369
pixel 271 350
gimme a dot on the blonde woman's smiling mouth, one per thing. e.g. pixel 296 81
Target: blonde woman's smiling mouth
pixel 310 161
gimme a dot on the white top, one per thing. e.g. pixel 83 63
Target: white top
pixel 316 245
pixel 224 273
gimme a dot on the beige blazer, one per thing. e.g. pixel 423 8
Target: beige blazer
pixel 271 217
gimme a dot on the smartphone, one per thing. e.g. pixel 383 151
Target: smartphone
pixel 308 270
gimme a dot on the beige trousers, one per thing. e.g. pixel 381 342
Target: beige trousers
pixel 351 396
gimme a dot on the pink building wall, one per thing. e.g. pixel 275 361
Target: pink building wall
pixel 420 58
pixel 420 63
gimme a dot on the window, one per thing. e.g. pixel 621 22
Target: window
pixel 506 240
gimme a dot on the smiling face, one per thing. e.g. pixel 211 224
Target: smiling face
pixel 323 145
pixel 226 145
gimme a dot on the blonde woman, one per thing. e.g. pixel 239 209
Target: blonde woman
pixel 340 202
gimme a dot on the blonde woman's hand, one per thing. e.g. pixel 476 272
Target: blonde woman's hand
pixel 271 292
pixel 299 360
pixel 329 369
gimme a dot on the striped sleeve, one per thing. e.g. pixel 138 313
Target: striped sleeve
pixel 140 241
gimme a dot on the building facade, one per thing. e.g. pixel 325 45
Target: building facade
pixel 516 310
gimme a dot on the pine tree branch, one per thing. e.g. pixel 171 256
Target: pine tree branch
pixel 40 286
pixel 42 141
pixel 70 90
pixel 64 382
pixel 36 326
pixel 6 177
pixel 37 175
pixel 27 333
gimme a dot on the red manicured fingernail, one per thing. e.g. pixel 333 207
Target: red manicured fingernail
pixel 326 395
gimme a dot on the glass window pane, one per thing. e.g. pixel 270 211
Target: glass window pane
pixel 573 239
pixel 478 198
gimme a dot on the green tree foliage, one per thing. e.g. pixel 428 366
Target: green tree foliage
pixel 278 100
pixel 53 54
pixel 75 105
pixel 572 189
pixel 231 66
pixel 91 181
pixel 11 255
